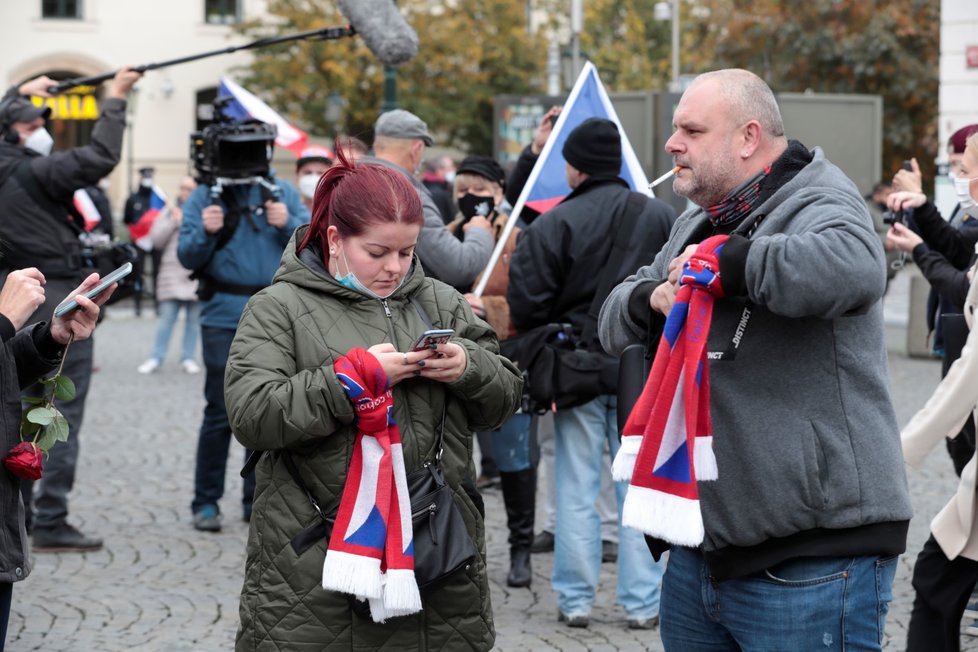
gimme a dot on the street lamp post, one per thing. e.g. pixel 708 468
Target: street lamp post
pixel 670 11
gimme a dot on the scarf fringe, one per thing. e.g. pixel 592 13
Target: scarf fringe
pixel 665 516
pixel 401 596
pixel 704 460
pixel 624 464
pixel 353 574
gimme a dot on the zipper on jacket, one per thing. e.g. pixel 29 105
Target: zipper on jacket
pixel 387 310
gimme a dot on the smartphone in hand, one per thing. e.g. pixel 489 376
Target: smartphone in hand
pixel 115 275
pixel 431 338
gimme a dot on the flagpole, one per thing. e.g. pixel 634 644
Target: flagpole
pixel 514 215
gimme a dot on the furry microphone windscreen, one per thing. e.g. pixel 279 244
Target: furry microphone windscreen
pixel 383 29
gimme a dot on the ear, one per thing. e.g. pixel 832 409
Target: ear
pixel 332 239
pixel 751 134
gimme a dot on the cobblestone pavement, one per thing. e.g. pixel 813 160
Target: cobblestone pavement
pixel 160 585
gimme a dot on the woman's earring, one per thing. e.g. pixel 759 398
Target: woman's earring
pixel 332 252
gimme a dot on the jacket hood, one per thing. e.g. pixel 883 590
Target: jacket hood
pixel 306 269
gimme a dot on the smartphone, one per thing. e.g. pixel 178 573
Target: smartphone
pixel 432 337
pixel 68 305
pixel 908 166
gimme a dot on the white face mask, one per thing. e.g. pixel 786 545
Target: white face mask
pixel 40 141
pixel 450 177
pixel 962 188
pixel 307 185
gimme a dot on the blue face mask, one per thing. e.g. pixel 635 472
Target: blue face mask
pixel 350 280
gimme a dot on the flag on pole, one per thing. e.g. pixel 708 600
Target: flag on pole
pixel 139 232
pixel 245 105
pixel 86 208
pixel 547 184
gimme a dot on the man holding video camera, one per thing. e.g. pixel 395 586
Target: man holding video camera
pixel 36 230
pixel 235 227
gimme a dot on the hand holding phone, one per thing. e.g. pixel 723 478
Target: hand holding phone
pixel 70 304
pixel 432 338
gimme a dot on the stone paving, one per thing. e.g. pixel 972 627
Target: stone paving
pixel 160 585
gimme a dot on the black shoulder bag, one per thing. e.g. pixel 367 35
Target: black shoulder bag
pixel 557 370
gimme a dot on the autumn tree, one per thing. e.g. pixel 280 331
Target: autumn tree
pixel 887 48
pixel 470 51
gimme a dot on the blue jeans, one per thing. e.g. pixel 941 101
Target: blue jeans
pixel 580 435
pixel 215 430
pixel 809 603
pixel 164 328
pixel 511 444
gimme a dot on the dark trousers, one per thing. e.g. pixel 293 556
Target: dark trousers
pixel 215 430
pixel 943 588
pixel 6 592
pixel 50 493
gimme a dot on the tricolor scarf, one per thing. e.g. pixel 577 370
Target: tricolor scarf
pixel 740 202
pixel 667 441
pixel 370 552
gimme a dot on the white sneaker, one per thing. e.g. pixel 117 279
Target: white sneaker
pixel 190 367
pixel 149 366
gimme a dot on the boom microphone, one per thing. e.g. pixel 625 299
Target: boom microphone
pixel 383 29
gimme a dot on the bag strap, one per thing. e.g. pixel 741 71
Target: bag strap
pixel 626 227
pixel 440 443
pixel 232 218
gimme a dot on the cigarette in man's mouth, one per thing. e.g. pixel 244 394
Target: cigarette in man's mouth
pixel 664 177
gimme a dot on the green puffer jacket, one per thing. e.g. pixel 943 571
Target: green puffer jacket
pixel 283 397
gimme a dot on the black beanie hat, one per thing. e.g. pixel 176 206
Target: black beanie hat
pixel 484 166
pixel 594 147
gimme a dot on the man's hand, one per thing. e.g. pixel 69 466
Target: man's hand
pixel 662 298
pixel 213 218
pixel 38 86
pixel 544 129
pixel 123 82
pixel 21 295
pixel 901 238
pixel 277 214
pixel 81 321
pixel 908 180
pixel 478 222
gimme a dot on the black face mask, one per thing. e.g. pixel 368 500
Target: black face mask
pixel 471 205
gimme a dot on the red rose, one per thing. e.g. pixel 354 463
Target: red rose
pixel 25 461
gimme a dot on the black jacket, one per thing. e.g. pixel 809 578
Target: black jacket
pixel 34 228
pixel 24 357
pixel 557 264
pixel 945 255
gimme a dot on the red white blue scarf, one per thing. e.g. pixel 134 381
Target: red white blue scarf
pixel 667 442
pixel 740 202
pixel 371 553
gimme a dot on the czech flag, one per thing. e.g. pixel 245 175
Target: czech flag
pixel 547 184
pixel 139 232
pixel 86 208
pixel 245 105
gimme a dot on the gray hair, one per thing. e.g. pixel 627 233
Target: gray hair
pixel 750 98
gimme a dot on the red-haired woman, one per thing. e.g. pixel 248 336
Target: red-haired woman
pixel 347 283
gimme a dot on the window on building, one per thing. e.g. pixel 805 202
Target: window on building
pixel 61 9
pixel 222 12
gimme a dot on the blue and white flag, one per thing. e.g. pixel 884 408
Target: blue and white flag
pixel 547 184
pixel 244 105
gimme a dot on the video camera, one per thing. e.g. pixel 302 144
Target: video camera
pixel 892 217
pixel 230 149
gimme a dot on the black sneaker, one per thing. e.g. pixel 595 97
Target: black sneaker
pixel 577 620
pixel 543 542
pixel 207 519
pixel 609 552
pixel 62 538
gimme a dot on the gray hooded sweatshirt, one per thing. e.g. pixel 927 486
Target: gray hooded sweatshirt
pixel 805 435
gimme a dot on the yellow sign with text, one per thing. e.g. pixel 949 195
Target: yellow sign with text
pixel 71 106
